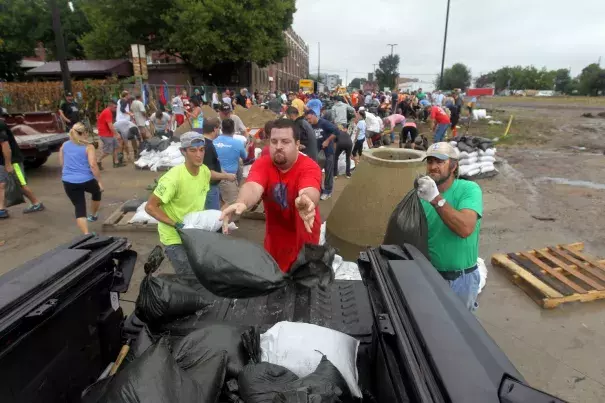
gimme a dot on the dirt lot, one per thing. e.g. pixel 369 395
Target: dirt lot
pixel 540 160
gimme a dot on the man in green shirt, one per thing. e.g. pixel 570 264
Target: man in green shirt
pixel 453 210
pixel 182 190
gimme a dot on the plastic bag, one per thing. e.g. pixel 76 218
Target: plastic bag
pixel 142 217
pixel 300 347
pixel 210 340
pixel 156 378
pixel 236 268
pixel 13 195
pixel 467 161
pixel 264 382
pixel 488 167
pixel 408 224
pixel 161 300
pixel 474 172
pixel 322 233
pixel 482 273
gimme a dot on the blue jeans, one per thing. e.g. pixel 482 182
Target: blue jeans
pixel 440 132
pixel 392 137
pixel 178 258
pixel 466 287
pixel 213 198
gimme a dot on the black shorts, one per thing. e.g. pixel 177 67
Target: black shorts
pixel 75 192
pixel 412 131
pixel 358 147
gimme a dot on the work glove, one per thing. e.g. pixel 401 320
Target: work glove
pixel 427 188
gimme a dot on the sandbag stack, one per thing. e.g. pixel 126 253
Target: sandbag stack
pixel 477 156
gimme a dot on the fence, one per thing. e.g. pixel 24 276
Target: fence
pixel 92 95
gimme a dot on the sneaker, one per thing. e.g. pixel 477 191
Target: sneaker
pixel 348 176
pixel 118 165
pixel 4 214
pixel 325 196
pixel 92 218
pixel 34 208
pixel 100 165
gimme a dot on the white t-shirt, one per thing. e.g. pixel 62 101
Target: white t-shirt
pixel 122 116
pixel 227 100
pixel 139 112
pixel 215 100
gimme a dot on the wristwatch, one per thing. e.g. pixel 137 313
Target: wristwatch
pixel 441 203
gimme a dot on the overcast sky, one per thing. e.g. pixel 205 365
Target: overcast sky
pixel 483 34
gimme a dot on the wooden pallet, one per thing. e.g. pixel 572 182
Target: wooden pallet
pixel 118 221
pixel 556 274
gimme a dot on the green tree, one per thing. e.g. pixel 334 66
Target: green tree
pixel 387 72
pixel 563 81
pixel 457 76
pixel 485 80
pixel 592 80
pixel 357 82
pixel 202 33
pixel 20 21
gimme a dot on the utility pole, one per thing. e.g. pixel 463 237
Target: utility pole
pixel 318 60
pixel 447 19
pixel 392 45
pixel 60 43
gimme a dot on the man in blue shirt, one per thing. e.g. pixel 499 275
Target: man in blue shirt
pixel 229 151
pixel 314 104
pixel 326 133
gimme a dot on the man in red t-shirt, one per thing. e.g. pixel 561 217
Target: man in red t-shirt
pixel 112 141
pixel 440 121
pixel 288 183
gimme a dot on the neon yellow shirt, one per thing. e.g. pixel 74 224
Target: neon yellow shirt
pixel 181 193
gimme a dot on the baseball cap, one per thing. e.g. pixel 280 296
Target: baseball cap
pixel 192 139
pixel 225 107
pixel 444 151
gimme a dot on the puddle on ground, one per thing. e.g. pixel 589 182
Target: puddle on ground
pixel 571 182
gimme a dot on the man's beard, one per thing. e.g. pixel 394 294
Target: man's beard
pixel 442 178
pixel 279 159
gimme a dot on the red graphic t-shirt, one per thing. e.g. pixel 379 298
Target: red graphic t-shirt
pixel 103 121
pixel 285 231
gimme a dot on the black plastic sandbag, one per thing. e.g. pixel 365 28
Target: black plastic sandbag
pixel 157 378
pixel 236 268
pixel 13 195
pixel 408 224
pixel 161 300
pixel 213 339
pixel 265 382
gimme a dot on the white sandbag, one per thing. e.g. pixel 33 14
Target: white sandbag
pixel 365 146
pixel 490 151
pixel 473 154
pixel 463 154
pixel 482 273
pixel 474 172
pixel 467 161
pixel 454 144
pixel 257 152
pixel 322 233
pixel 342 164
pixel 246 170
pixel 299 348
pixel 488 168
pixel 141 216
pixel 207 220
pixel 479 114
pixel 465 169
pixel 486 164
pixel 487 158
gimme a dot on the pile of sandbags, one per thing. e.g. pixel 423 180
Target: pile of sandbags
pixel 153 159
pixel 477 156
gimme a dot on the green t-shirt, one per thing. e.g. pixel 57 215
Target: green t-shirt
pixel 447 250
pixel 181 193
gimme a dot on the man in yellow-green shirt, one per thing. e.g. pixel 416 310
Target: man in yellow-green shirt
pixel 182 190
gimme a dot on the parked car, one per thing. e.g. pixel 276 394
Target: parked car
pixel 38 134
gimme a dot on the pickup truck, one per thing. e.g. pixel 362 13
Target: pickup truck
pixel 38 134
pixel 60 326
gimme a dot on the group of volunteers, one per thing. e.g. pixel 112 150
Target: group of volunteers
pixel 286 177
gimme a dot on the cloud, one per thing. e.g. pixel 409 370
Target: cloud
pixel 485 35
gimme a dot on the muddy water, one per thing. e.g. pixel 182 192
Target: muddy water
pixel 571 182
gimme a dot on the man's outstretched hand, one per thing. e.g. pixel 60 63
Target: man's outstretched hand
pixel 306 210
pixel 226 216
